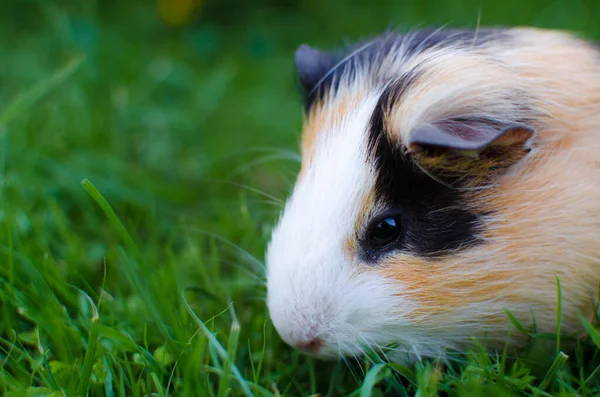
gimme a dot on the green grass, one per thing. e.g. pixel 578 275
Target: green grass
pixel 141 166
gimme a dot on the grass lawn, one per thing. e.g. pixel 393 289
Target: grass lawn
pixel 142 165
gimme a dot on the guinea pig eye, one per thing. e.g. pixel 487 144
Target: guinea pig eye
pixel 385 232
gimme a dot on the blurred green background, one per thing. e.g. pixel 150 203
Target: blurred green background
pixel 175 92
pixel 185 115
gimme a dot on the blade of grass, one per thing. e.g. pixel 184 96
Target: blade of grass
pixel 558 314
pixel 591 375
pixel 90 353
pixel 557 365
pixel 232 345
pixel 112 216
pixel 406 372
pixel 261 389
pixel 516 323
pixel 371 379
pixel 133 268
pixel 218 347
pixel 262 353
pixel 88 360
pixel 593 332
pixel 9 316
pixel 33 94
pixel 44 359
pixel 108 382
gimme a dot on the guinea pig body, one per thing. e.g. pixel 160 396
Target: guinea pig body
pixel 447 176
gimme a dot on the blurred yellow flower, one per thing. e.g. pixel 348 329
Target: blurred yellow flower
pixel 178 12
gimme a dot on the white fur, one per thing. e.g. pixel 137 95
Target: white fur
pixel 314 289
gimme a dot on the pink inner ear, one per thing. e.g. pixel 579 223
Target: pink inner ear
pixel 514 135
pixel 452 137
pixel 465 138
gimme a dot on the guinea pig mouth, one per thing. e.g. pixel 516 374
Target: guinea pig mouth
pixel 316 347
pixel 322 349
pixel 319 351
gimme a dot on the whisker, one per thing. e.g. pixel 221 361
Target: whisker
pixel 349 366
pixel 229 243
pixel 357 359
pixel 263 160
pixel 477 27
pixel 246 187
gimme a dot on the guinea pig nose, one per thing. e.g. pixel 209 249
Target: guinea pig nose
pixel 311 346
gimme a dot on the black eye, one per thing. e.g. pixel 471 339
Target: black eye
pixel 385 231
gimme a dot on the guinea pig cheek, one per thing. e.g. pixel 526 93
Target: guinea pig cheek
pixel 379 306
pixel 417 281
pixel 431 288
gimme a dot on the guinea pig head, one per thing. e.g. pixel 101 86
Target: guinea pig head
pixel 395 232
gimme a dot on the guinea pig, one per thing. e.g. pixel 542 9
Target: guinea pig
pixel 448 176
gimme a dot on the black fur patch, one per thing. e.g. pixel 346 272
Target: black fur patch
pixel 433 220
pixel 371 52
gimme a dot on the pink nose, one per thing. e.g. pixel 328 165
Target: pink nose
pixel 312 346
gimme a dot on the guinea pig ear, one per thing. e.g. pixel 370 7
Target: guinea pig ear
pixel 472 156
pixel 312 65
pixel 468 141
